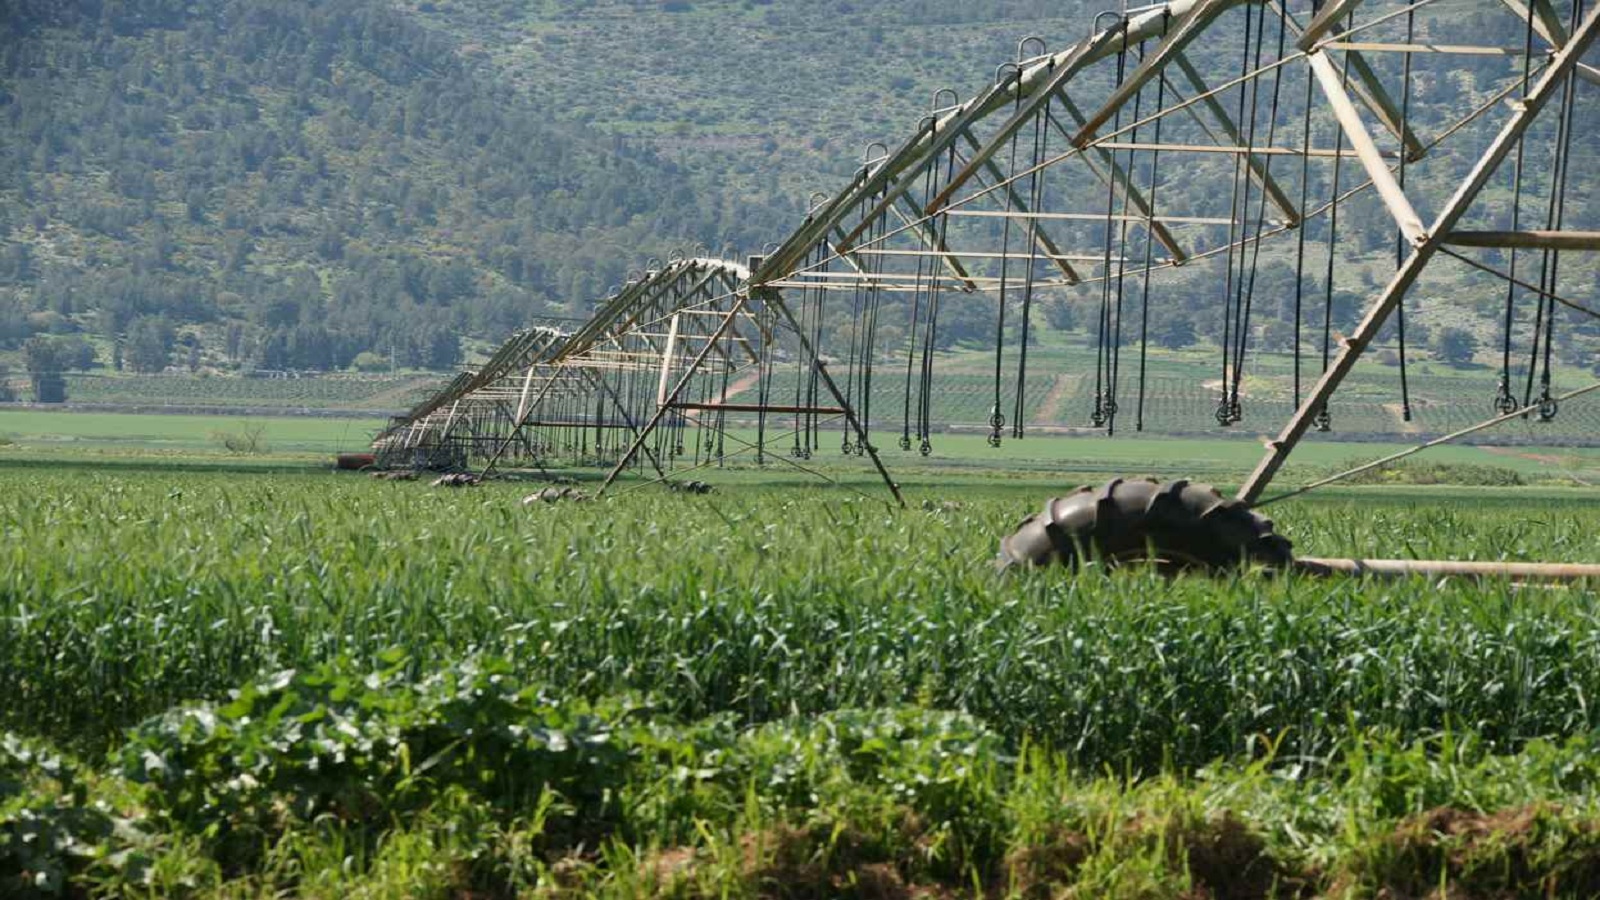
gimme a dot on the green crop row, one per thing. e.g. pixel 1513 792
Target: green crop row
pixel 471 782
pixel 125 594
pixel 224 684
pixel 386 393
pixel 1182 401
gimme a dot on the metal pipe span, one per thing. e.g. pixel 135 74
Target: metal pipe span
pixel 1445 568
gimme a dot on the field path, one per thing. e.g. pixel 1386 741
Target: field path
pixel 1050 410
pixel 1398 411
pixel 404 395
pixel 744 383
pixel 1573 466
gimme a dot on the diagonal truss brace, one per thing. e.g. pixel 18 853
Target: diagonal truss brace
pixel 1561 65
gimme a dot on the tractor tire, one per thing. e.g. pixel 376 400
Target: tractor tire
pixel 1178 526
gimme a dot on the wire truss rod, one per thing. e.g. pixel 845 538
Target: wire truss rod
pixel 1237 151
pixel 989 254
pixel 1093 217
pixel 1544 240
pixel 1456 49
pixel 770 408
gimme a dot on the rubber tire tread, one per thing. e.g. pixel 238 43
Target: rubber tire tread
pixel 1189 526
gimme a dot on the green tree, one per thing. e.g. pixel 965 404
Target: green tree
pixel 149 344
pixel 1174 332
pixel 75 353
pixel 1060 315
pixel 43 359
pixel 367 361
pixel 1456 346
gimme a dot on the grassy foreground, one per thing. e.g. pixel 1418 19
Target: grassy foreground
pixel 224 684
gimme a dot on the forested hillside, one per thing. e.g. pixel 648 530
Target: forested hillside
pixel 782 99
pixel 284 183
pixel 289 184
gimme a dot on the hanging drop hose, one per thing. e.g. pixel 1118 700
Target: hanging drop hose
pixel 1261 210
pixel 1237 215
pixel 1400 245
pixel 807 309
pixel 679 423
pixel 813 442
pixel 1324 417
pixel 722 414
pixel 845 447
pixel 1549 406
pixel 911 330
pixel 997 420
pixel 1041 140
pixel 1504 400
pixel 911 359
pixel 869 350
pixel 1110 407
pixel 1241 294
pixel 1300 236
pixel 763 395
pixel 1150 244
pixel 1102 362
pixel 925 416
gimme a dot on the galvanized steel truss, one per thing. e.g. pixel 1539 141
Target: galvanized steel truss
pixel 1049 178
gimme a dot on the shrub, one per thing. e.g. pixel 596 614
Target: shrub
pixel 367 361
pixel 249 439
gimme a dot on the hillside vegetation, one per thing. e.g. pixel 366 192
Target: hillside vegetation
pixel 277 184
pixel 782 100
pixel 290 183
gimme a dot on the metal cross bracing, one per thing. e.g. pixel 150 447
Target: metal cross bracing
pixel 667 374
pixel 1195 136
pixel 448 428
pixel 1073 170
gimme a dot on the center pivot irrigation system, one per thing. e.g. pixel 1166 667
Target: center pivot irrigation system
pixel 1075 171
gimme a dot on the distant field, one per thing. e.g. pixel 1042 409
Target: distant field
pixel 38 429
pixel 335 391
pixel 1223 460
pixel 1182 391
pixel 31 432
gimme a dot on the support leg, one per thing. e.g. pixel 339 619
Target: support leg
pixel 1561 65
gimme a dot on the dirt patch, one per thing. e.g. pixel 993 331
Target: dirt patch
pixel 1225 859
pixel 672 865
pixel 792 863
pixel 1050 410
pixel 786 863
pixel 1549 459
pixel 1228 861
pixel 1033 870
pixel 743 384
pixel 1455 854
pixel 1398 412
pixel 1571 466
pixel 1215 384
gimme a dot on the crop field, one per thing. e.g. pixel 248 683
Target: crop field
pixel 232 684
pixel 385 394
pixel 1181 394
pixel 37 428
pixel 1057 394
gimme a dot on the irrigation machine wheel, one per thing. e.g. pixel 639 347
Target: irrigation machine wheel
pixel 1178 526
